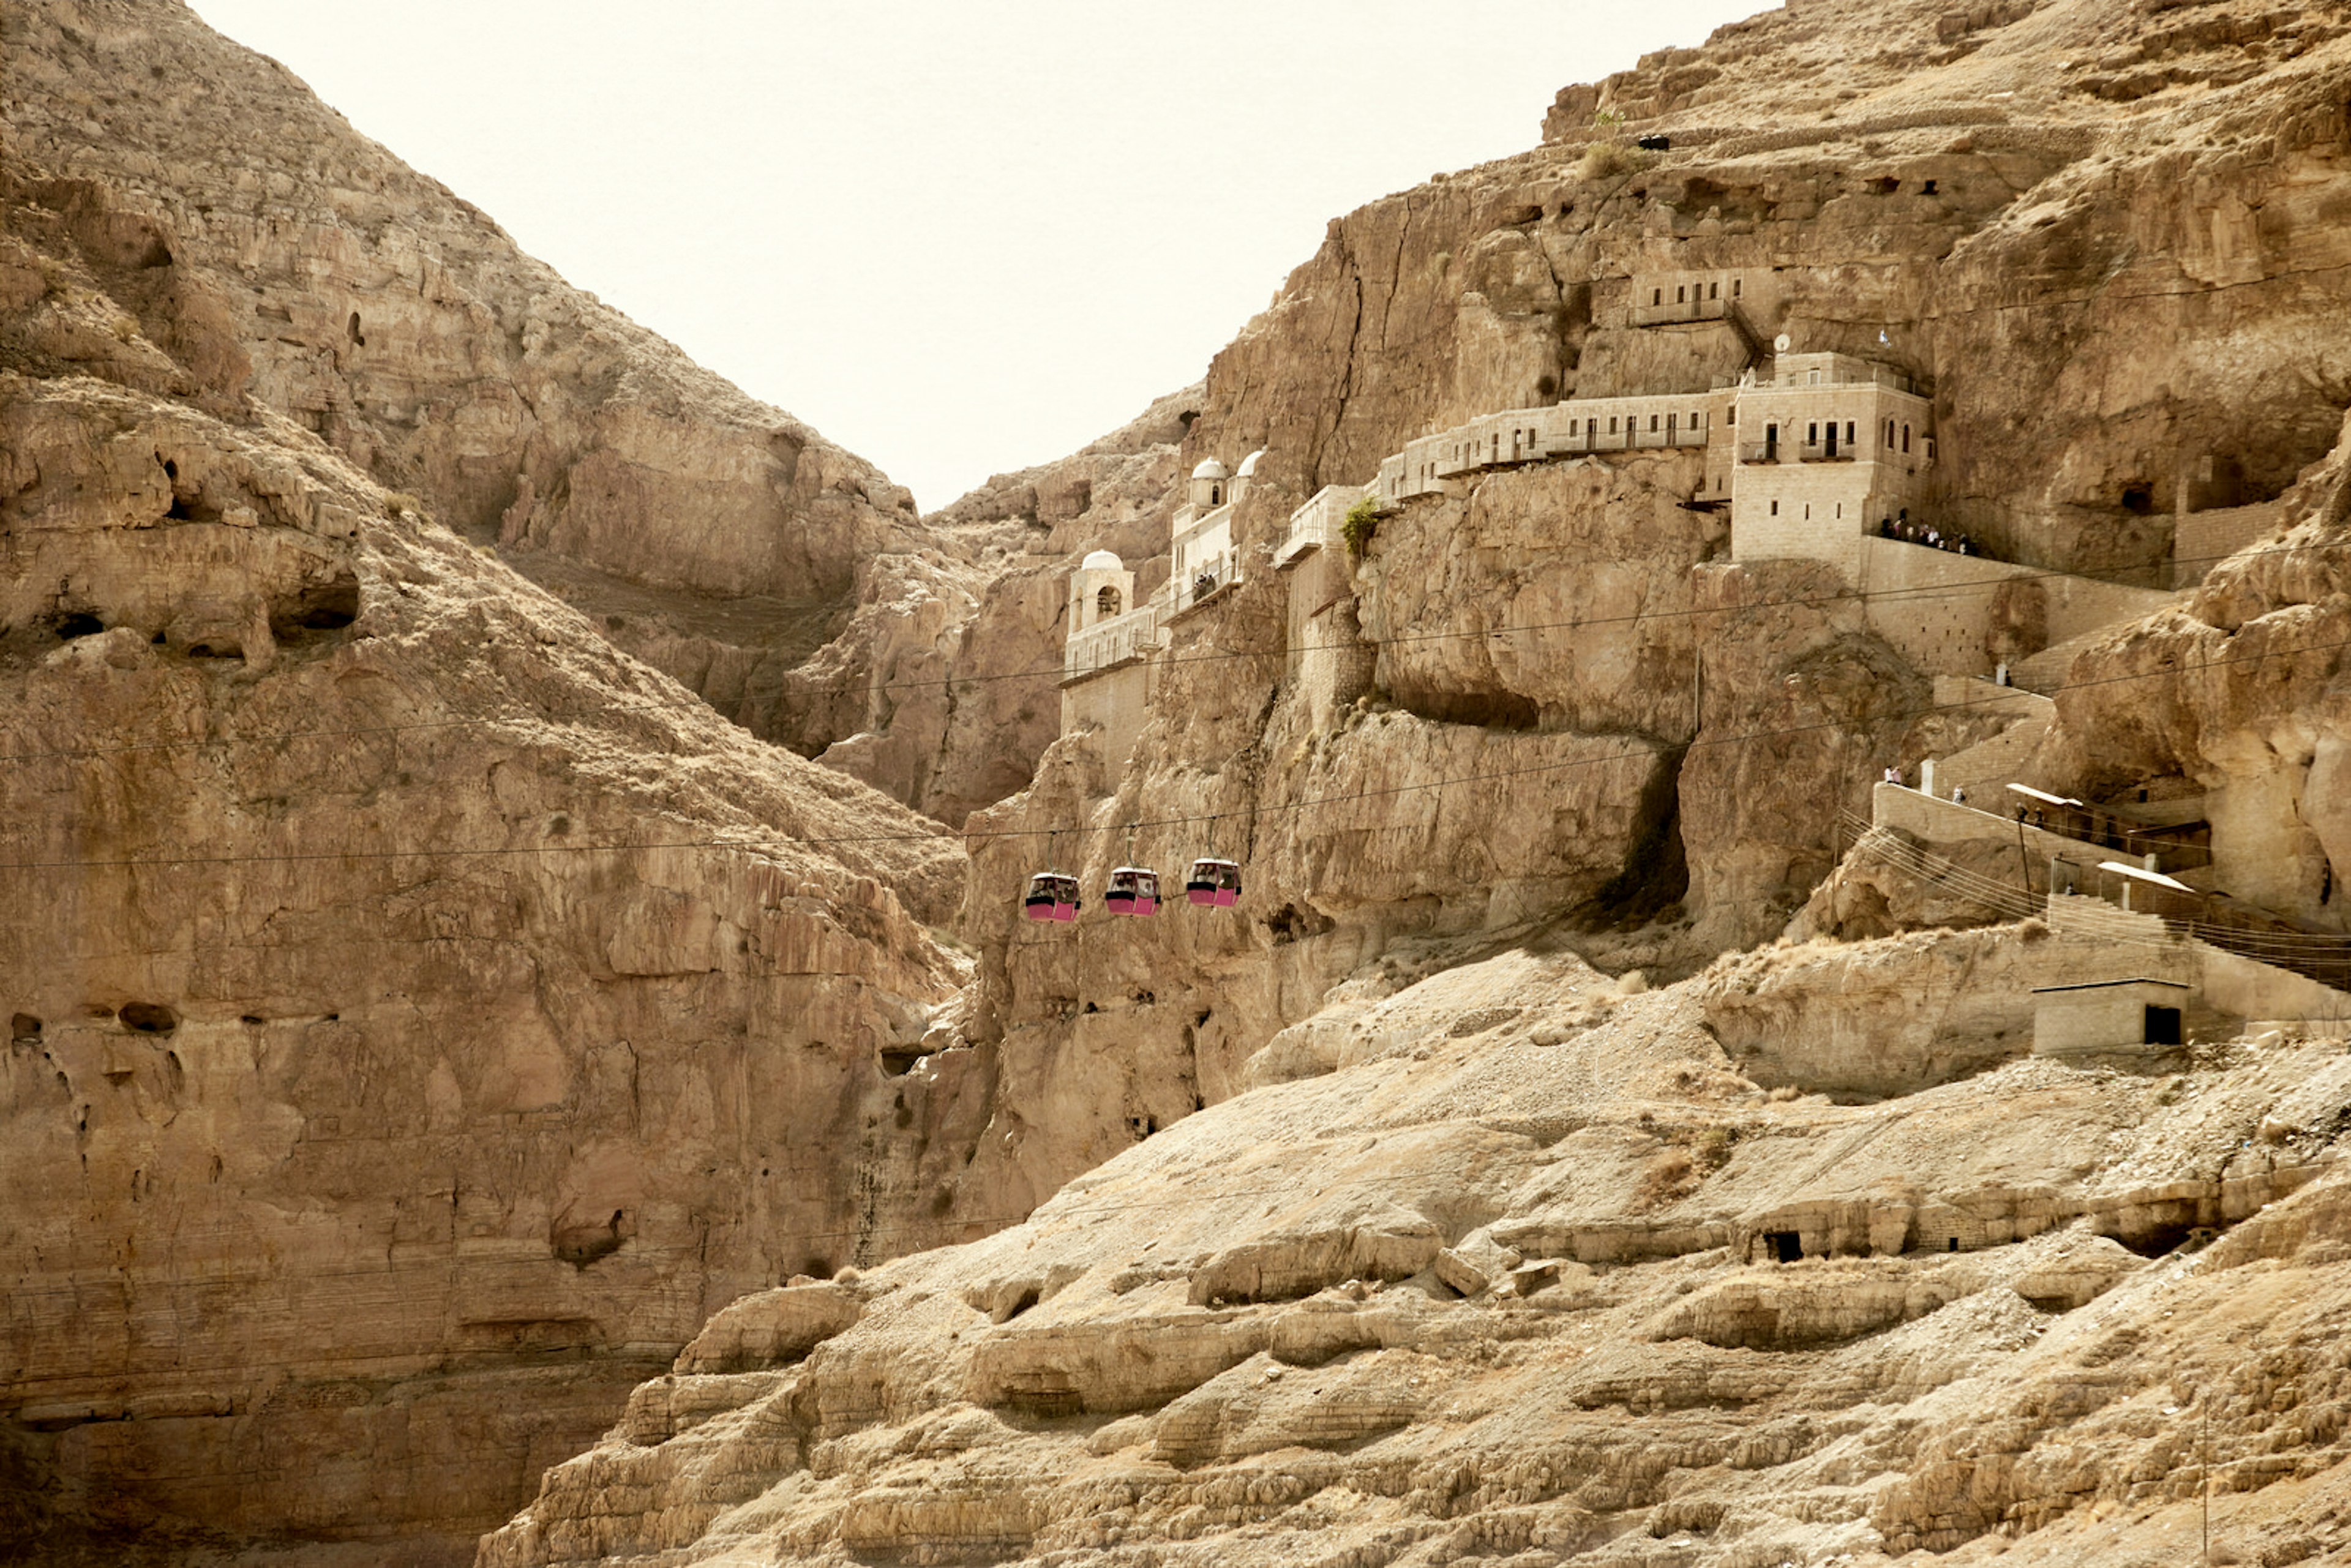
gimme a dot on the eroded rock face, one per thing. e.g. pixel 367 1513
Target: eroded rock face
pixel 1514 1292
pixel 423 1016
pixel 263 249
pixel 1955 210
pixel 2240 693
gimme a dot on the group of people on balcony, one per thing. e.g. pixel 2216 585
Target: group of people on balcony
pixel 1903 529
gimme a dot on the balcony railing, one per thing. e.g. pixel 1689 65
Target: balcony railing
pixel 1119 640
pixel 1318 523
pixel 1205 582
pixel 1647 315
pixel 1795 452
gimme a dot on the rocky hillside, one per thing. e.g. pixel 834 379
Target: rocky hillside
pixel 1575 1147
pixel 1593 1136
pixel 1498 1282
pixel 273 252
pixel 423 1015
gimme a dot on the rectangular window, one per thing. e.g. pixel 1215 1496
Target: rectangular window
pixel 1734 287
pixel 1775 508
pixel 1812 433
pixel 1573 427
pixel 1653 424
pixel 1681 293
pixel 1657 297
pixel 1612 424
pixel 1714 291
pixel 1808 511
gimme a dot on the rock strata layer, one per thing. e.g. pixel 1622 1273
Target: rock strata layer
pixel 423 1016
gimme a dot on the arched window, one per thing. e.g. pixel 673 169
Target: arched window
pixel 1215 495
pixel 1906 438
pixel 1106 603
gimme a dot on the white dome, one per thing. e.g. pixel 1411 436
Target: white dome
pixel 1211 469
pixel 1101 561
pixel 1247 470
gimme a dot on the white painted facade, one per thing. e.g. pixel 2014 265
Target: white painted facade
pixel 1561 430
pixel 1318 524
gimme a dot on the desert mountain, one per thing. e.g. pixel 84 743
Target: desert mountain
pixel 1610 1122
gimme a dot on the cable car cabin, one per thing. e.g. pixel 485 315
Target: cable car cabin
pixel 1052 896
pixel 1133 890
pixel 1214 882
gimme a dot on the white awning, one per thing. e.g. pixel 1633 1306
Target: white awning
pixel 2143 874
pixel 2044 796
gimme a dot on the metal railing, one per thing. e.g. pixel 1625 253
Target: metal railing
pixel 1204 583
pixel 1119 640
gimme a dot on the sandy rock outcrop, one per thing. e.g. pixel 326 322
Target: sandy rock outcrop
pixel 1514 1294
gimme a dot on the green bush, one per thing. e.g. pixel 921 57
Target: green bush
pixel 1362 521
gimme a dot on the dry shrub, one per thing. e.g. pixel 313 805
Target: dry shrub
pixel 1668 1177
pixel 1605 160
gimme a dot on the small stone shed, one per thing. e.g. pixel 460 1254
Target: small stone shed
pixel 2135 1017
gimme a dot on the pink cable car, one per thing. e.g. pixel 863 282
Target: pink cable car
pixel 1214 882
pixel 1052 896
pixel 1133 890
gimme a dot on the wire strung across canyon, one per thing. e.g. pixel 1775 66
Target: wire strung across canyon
pixel 355 732
pixel 2017 902
pixel 752 842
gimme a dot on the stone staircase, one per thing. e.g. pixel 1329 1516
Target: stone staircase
pixel 1985 768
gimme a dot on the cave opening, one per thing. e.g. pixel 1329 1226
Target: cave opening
pixel 148 1018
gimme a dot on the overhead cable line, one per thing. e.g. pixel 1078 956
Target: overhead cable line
pixel 267 738
pixel 771 842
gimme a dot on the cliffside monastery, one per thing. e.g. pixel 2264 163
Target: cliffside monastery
pixel 1816 456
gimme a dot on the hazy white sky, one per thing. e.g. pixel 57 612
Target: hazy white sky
pixel 957 237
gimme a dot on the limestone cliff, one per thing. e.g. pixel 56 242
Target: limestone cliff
pixel 1965 195
pixel 278 254
pixel 423 1015
pixel 1421 1238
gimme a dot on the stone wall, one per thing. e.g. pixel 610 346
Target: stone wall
pixel 1105 711
pixel 1963 614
